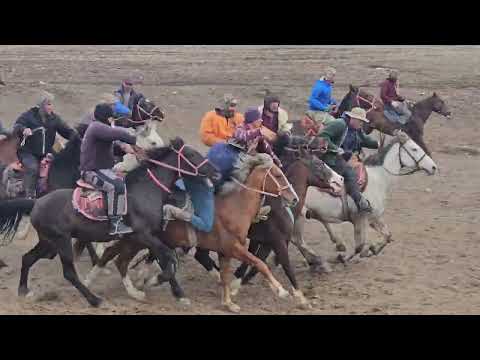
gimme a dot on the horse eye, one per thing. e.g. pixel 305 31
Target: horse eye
pixel 414 150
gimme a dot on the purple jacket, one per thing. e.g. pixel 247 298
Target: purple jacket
pixel 246 135
pixel 97 146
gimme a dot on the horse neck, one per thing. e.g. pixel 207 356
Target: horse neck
pixel 381 178
pixel 250 200
pixel 298 176
pixel 422 110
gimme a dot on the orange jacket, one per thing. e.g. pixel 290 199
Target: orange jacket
pixel 215 128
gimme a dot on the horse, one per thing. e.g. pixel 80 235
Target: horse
pixel 401 157
pixel 302 169
pixel 56 221
pixel 421 111
pixel 236 206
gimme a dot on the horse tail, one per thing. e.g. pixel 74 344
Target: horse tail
pixel 11 213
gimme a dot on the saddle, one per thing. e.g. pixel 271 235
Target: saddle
pixel 12 178
pixel 90 202
pixel 362 176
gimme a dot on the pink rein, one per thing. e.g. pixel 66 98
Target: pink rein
pixel 178 168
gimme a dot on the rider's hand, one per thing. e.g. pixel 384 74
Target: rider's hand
pixel 27 132
pixel 140 153
pixel 401 98
pixel 340 151
pixel 127 148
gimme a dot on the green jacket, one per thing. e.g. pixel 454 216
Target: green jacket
pixel 335 132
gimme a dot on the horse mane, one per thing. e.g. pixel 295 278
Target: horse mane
pixel 378 158
pixel 243 167
pixel 67 155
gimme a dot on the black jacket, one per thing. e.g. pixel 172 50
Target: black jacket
pixel 42 140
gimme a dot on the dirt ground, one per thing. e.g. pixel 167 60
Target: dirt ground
pixel 432 266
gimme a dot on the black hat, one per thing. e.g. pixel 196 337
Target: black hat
pixel 103 112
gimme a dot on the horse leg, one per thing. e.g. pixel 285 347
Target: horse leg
pixel 360 235
pixel 65 252
pixel 78 248
pixel 165 255
pixel 203 257
pixel 379 225
pixel 127 253
pixel 259 250
pixel 242 254
pixel 225 275
pixel 41 251
pixel 299 242
pixel 340 246
pixel 107 256
pixel 281 251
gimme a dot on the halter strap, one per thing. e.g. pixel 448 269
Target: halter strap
pixel 417 162
pixel 263 192
pixel 371 103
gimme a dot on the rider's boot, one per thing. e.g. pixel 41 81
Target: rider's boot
pixel 171 212
pixel 118 227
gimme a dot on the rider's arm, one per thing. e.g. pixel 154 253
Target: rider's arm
pixel 284 127
pixel 244 135
pixel 20 125
pixel 332 131
pixel 107 133
pixel 368 142
pixel 64 129
pixel 207 132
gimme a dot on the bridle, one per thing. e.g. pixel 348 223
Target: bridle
pixel 180 171
pixel 280 188
pixel 371 103
pixel 402 165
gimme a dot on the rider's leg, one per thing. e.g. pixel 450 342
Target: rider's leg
pixel 31 165
pixel 106 180
pixel 351 185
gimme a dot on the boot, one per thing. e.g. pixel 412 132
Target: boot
pixel 118 227
pixel 171 212
pixel 364 206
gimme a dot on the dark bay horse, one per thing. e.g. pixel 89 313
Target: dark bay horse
pixel 421 111
pixel 235 208
pixel 56 221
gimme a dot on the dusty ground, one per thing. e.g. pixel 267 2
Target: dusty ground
pixel 432 268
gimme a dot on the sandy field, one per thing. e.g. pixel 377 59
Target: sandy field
pixel 431 268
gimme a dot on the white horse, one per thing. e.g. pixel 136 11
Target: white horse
pixel 401 157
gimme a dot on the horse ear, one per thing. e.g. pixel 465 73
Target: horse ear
pixel 352 88
pixel 435 94
pixel 177 143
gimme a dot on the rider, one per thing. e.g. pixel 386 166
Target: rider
pixel 336 132
pixel 96 163
pixel 321 99
pixel 250 137
pixel 274 117
pixel 356 139
pixel 126 93
pixel 38 126
pixel 394 104
pixel 118 108
pixel 218 126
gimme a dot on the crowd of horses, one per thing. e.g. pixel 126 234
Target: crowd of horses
pixel 301 190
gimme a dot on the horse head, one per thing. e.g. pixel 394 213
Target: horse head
pixel 439 106
pixel 349 101
pixel 412 157
pixel 144 109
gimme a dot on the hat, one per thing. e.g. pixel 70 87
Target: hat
pixel 227 101
pixel 251 115
pixel 103 112
pixel 329 72
pixel 44 98
pixel 393 74
pixel 358 113
pixel 108 98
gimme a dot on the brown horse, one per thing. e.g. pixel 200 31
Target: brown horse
pixel 421 111
pixel 235 208
pixel 8 149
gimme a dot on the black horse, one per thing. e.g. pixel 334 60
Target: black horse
pixel 56 221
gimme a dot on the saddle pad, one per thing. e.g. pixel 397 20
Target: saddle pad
pixel 90 203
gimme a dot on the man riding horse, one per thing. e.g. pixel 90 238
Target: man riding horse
pixel 344 136
pixel 218 126
pixel 321 99
pixel 274 118
pixel 38 127
pixel 96 163
pixel 396 108
pixel 126 93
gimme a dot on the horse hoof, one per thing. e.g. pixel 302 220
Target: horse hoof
pixel 341 248
pixel 282 293
pixel 138 295
pixel 233 308
pixel 322 268
pixel 185 301
pixel 24 292
pixel 235 286
pixel 365 253
pixel 95 302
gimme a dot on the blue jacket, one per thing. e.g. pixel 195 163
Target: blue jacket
pixel 121 110
pixel 321 97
